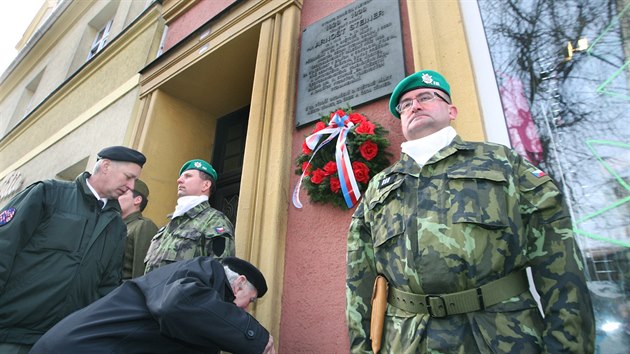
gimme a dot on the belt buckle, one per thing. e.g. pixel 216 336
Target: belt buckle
pixel 436 310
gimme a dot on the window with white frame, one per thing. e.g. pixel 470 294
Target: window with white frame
pixel 100 40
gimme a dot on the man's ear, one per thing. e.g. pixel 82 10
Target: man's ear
pixel 106 165
pixel 452 112
pixel 241 281
pixel 207 184
pixel 238 284
pixel 137 200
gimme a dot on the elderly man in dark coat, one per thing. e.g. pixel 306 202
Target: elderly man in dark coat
pixel 61 247
pixel 191 306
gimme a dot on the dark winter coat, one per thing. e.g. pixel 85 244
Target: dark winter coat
pixel 59 252
pixel 183 307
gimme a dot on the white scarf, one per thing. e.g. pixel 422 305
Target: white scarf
pixel 188 202
pixel 421 150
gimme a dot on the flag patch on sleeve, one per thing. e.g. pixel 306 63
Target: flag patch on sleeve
pixel 538 173
pixel 219 230
pixel 6 216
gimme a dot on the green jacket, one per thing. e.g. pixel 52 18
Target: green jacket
pixel 58 253
pixel 140 231
pixel 201 231
pixel 473 214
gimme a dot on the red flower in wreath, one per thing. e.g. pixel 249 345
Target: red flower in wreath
pixel 339 112
pixel 319 126
pixel 356 118
pixel 365 128
pixel 335 186
pixel 318 176
pixel 306 168
pixel 330 168
pixel 361 172
pixel 368 150
pixel 305 148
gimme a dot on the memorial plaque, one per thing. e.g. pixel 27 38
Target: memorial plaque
pixel 350 57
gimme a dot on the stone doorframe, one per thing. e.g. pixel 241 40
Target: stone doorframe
pixel 264 192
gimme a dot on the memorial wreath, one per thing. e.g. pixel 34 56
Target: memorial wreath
pixel 359 153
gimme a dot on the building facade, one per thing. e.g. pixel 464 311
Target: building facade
pixel 220 80
pixel 73 88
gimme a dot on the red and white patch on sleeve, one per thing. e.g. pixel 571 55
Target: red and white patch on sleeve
pixel 538 173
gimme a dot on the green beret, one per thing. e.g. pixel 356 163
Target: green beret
pixel 421 79
pixel 253 275
pixel 142 188
pixel 200 165
pixel 122 153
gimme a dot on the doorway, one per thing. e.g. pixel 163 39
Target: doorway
pixel 227 160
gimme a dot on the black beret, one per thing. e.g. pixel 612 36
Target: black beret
pixel 122 153
pixel 253 275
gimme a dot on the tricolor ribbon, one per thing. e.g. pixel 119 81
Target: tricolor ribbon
pixel 338 126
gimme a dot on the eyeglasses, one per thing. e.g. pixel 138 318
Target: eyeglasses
pixel 422 98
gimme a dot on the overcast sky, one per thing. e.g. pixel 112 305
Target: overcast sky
pixel 14 19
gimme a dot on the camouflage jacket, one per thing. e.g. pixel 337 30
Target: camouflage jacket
pixel 201 231
pixel 473 214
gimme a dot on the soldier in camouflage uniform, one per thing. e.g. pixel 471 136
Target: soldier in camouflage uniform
pixel 452 225
pixel 195 229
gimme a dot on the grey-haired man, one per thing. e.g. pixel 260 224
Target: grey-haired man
pixel 61 247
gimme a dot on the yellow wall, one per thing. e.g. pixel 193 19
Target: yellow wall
pixel 439 43
pixel 175 132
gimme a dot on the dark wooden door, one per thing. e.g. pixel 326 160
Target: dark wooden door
pixel 228 155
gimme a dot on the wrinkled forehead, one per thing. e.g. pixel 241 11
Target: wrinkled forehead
pixel 127 167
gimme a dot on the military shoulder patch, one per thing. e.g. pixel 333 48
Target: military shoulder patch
pixel 219 230
pixel 6 216
pixel 538 173
pixel 386 182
